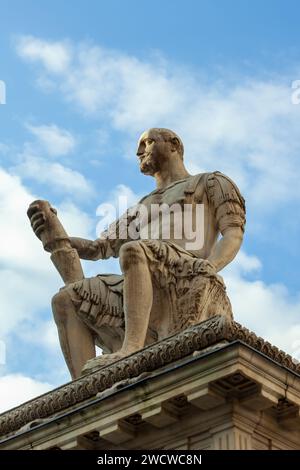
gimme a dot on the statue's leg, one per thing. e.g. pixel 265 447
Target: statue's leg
pixel 76 339
pixel 138 298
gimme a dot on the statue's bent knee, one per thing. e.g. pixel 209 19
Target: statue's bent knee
pixel 131 253
pixel 61 304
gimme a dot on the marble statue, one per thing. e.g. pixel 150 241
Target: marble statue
pixel 167 282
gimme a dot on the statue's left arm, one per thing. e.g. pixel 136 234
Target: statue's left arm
pixel 230 218
pixel 226 248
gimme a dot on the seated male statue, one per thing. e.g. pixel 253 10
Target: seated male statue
pixel 167 283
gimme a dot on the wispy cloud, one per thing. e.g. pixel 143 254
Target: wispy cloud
pixel 58 177
pixel 248 129
pixel 54 140
pixel 37 162
pixel 55 56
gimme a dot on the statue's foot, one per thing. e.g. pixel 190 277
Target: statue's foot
pixel 92 365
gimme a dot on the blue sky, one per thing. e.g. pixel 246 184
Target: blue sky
pixel 83 80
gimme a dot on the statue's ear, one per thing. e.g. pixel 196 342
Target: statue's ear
pixel 175 143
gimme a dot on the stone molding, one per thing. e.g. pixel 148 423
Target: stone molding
pixel 152 358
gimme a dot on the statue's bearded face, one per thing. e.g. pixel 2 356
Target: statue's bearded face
pixel 152 149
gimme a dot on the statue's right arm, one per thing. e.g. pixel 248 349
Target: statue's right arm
pixel 110 241
pixel 106 246
pixel 92 249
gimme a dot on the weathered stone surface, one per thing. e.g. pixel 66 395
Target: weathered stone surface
pixel 158 357
pixel 159 410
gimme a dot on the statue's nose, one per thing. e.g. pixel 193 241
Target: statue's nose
pixel 139 151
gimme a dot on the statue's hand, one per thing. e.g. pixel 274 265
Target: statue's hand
pixel 37 217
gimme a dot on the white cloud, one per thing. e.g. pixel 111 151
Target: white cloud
pixel 55 175
pixel 244 264
pixel 16 389
pixel 55 56
pixel 18 246
pixel 124 193
pixel 41 333
pixel 54 140
pixel 22 295
pixel 77 222
pixel 247 128
pixel 27 278
pixel 266 309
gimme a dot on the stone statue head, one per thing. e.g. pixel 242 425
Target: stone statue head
pixel 156 147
